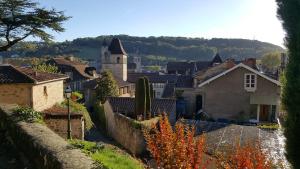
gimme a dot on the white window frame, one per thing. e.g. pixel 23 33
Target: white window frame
pixel 250 85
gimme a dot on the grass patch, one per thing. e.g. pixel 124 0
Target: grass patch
pixel 271 126
pixel 78 107
pixel 108 157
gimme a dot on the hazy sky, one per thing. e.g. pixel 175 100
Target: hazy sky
pixel 249 19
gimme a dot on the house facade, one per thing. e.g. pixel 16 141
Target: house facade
pixel 26 87
pixel 235 92
pixel 78 72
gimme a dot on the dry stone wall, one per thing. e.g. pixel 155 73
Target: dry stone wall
pixel 42 147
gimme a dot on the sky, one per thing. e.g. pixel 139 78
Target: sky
pixel 247 19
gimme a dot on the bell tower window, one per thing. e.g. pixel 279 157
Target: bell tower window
pixel 118 59
pixel 106 56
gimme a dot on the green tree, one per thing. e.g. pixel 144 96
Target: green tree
pixel 143 97
pixel 140 97
pixel 45 68
pixel 148 98
pixel 107 86
pixel 271 60
pixel 289 12
pixel 22 18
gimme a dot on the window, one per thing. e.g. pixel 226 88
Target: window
pixel 106 56
pixel 45 91
pixel 125 90
pixel 250 82
pixel 118 59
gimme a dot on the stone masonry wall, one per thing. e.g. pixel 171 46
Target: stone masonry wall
pixel 121 129
pixel 42 147
pixel 16 94
pixel 48 94
pixel 59 126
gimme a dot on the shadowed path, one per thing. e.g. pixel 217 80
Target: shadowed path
pixel 9 156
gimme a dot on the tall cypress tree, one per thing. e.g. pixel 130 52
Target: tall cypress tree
pixel 148 98
pixel 140 97
pixel 289 13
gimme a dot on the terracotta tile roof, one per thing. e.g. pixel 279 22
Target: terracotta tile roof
pixel 10 74
pixel 116 47
pixel 127 105
pixel 211 72
pixel 80 67
pixel 59 111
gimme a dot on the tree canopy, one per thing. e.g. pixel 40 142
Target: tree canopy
pixel 22 18
pixel 107 86
pixel 289 12
pixel 271 60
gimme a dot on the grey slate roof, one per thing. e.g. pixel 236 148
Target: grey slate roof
pixel 127 105
pixel 116 47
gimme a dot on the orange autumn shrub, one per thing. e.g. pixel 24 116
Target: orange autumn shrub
pixel 248 156
pixel 175 149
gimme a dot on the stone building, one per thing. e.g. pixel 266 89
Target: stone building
pixel 234 92
pixel 78 72
pixel 114 59
pixel 26 87
pixel 56 118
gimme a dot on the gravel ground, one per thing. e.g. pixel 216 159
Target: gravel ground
pixel 220 136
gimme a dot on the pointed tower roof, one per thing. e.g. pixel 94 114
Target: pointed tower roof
pixel 216 59
pixel 116 47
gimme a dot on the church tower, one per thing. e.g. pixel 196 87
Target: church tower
pixel 114 59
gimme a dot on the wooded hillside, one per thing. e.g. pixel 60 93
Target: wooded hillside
pixel 153 50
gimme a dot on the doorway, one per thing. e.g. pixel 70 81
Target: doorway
pixel 199 102
pixel 264 113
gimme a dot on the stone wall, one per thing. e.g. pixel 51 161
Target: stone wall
pixel 122 129
pixel 48 94
pixel 16 94
pixel 59 124
pixel 42 147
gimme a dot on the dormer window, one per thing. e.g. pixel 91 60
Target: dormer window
pixel 250 82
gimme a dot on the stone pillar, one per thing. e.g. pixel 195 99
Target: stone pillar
pixel 258 112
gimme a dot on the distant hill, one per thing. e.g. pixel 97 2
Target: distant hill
pixel 153 50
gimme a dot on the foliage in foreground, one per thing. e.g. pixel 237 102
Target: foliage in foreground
pixel 176 149
pixel 23 18
pixel 99 116
pixel 289 13
pixel 248 156
pixel 106 156
pixel 78 107
pixel 27 114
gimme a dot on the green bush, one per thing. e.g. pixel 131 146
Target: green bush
pixel 99 116
pixel 78 107
pixel 77 95
pixel 27 114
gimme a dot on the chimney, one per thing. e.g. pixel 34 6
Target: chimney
pixel 230 63
pixel 70 58
pixel 251 62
